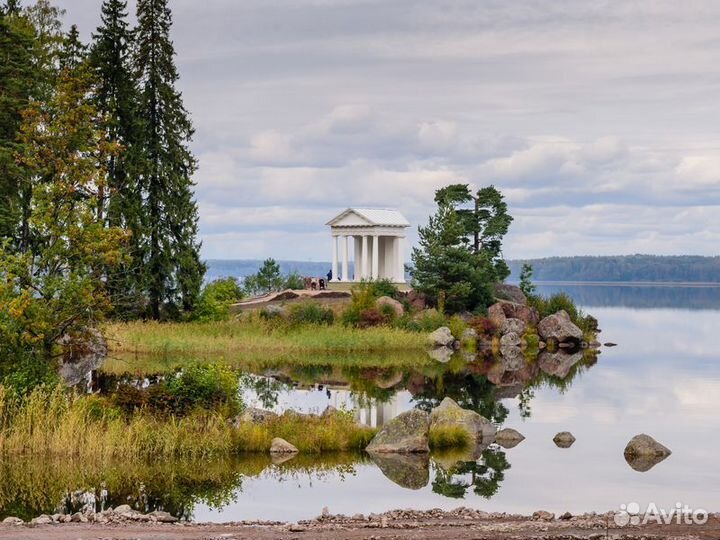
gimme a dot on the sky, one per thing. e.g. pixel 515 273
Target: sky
pixel 598 120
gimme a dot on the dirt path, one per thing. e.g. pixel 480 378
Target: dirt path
pixel 461 524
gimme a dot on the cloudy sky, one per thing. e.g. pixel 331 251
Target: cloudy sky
pixel 599 120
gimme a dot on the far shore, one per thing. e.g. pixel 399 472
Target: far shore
pixel 697 284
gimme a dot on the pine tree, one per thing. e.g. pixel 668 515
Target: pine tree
pixel 74 52
pixel 17 82
pixel 116 98
pixel 173 268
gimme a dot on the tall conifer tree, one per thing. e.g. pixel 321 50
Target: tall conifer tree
pixel 116 98
pixel 174 270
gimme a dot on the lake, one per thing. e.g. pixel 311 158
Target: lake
pixel 662 379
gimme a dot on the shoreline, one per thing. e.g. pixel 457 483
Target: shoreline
pixel 460 524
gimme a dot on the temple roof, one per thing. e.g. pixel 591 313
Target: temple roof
pixel 363 217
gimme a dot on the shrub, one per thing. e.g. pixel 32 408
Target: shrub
pixel 443 437
pixel 215 299
pixel 560 301
pixel 294 281
pixel 371 317
pixel 310 313
pixel 483 326
pixel 457 326
pixel 430 320
pixel 363 299
pixel 384 287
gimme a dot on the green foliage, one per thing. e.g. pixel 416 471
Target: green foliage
pixel 562 301
pixel 294 281
pixel 526 284
pixel 457 326
pixel 310 313
pixel 216 298
pixel 197 387
pixel 172 269
pixel 446 270
pixel 444 437
pixel 384 287
pixel 362 311
pixel 268 279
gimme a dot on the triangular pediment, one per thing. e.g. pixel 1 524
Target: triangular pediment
pixel 350 218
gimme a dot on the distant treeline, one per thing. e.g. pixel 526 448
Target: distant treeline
pixel 681 268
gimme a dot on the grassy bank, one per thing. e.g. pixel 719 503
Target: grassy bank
pixel 233 337
pixel 56 422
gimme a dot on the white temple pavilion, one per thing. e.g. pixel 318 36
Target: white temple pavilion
pixel 378 245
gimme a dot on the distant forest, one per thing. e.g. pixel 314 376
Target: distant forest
pixel 681 268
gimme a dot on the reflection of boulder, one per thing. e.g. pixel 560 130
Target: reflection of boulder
pixel 509 438
pixel 450 414
pixel 499 375
pixel 559 327
pixel 82 354
pixel 411 471
pixel 389 381
pixel 508 392
pixel 441 354
pixel 643 452
pixel 515 326
pixel 406 433
pixel 564 439
pixel 558 363
pixel 511 356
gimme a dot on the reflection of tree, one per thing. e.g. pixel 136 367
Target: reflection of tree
pixel 470 391
pixel 524 402
pixel 486 474
pixel 267 389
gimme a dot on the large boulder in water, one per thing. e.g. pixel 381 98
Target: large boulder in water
pixel 558 363
pixel 559 327
pixel 411 471
pixel 281 446
pixel 450 414
pixel 511 293
pixel 502 310
pixel 643 452
pixel 407 433
pixel 509 438
pixel 442 337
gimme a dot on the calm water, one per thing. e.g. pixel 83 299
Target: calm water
pixel 663 379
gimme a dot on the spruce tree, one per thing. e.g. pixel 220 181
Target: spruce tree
pixel 173 268
pixel 116 98
pixel 74 52
pixel 17 81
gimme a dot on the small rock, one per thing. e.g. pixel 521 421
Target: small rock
pixel 10 520
pixel 163 517
pixel 441 354
pixel 566 516
pixel 643 452
pixel 123 508
pixel 325 512
pixel 543 515
pixel 509 438
pixel 442 337
pixel 41 520
pixel 77 517
pixel 610 344
pixel 564 439
pixel 297 528
pixel 281 446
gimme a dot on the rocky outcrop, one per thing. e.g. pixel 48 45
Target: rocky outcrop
pixel 407 433
pixel 511 293
pixel 509 438
pixel 442 337
pixel 396 306
pixel 558 364
pixel 410 471
pixel 564 439
pixel 559 327
pixel 81 355
pixel 450 414
pixel 643 452
pixel 281 446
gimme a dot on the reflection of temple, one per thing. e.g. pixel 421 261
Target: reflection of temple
pixel 369 412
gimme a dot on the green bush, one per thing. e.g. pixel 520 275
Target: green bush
pixel 430 320
pixel 294 281
pixel 197 387
pixel 548 305
pixel 384 287
pixel 457 326
pixel 310 313
pixel 215 300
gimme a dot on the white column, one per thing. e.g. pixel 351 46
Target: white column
pixel 400 259
pixel 346 255
pixel 334 259
pixel 375 257
pixel 364 257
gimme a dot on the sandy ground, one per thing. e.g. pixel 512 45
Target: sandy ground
pixel 431 525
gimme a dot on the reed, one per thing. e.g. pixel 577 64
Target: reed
pixel 253 335
pixel 51 421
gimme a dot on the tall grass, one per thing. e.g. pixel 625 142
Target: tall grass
pixel 53 421
pixel 252 335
